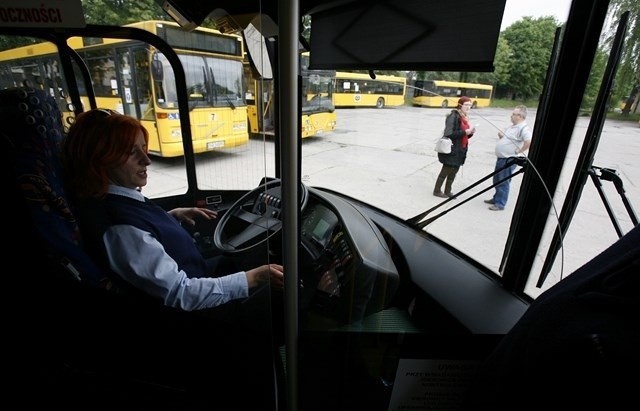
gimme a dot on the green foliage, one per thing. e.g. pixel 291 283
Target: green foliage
pixel 595 80
pixel 510 103
pixel 531 43
pixel 503 64
pixel 10 42
pixel 628 74
pixel 120 12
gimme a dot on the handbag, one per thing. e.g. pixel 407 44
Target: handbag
pixel 443 145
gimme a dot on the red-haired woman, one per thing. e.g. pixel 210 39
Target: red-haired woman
pixel 106 161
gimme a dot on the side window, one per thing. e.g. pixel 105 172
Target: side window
pixel 103 72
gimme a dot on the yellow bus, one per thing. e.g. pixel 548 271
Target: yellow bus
pixel 441 93
pixel 136 79
pixel 360 90
pixel 318 111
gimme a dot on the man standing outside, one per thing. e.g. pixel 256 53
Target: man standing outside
pixel 513 141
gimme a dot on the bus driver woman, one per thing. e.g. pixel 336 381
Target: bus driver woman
pixel 105 156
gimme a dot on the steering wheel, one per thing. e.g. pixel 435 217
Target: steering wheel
pixel 254 218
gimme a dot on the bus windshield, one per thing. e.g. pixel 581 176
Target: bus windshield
pixel 211 82
pixel 317 87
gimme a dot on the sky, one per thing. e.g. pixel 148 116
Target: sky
pixel 516 9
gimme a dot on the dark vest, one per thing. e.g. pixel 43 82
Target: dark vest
pixel 96 216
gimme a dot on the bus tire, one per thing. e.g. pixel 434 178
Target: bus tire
pixel 445 103
pixel 380 103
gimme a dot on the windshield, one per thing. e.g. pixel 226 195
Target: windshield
pixel 211 82
pixel 317 88
pixel 383 154
pixel 386 158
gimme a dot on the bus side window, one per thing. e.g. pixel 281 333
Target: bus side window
pixel 102 67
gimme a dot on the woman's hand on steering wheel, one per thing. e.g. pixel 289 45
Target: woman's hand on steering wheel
pixel 273 273
pixel 188 214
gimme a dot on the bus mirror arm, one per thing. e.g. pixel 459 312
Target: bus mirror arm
pixel 608 174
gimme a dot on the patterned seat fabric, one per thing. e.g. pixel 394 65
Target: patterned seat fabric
pixel 31 134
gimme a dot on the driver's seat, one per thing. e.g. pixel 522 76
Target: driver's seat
pixel 67 311
pixel 31 136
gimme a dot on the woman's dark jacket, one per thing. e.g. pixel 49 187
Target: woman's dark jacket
pixel 456 133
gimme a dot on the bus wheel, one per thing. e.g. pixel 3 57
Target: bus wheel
pixel 380 102
pixel 445 103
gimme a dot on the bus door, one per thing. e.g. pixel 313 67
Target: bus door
pixel 264 99
pixel 260 106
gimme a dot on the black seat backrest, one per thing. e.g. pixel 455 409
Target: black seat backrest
pixel 75 311
pixel 31 133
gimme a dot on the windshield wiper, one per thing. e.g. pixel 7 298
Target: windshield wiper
pixel 209 87
pixel 215 91
pixel 417 220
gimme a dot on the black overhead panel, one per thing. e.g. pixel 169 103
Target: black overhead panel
pixel 442 35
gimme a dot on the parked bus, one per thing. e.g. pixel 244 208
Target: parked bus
pixel 442 93
pixel 393 298
pixel 360 90
pixel 134 78
pixel 318 111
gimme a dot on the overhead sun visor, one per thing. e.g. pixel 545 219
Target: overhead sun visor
pixel 433 35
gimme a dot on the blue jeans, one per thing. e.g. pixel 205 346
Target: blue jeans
pixel 502 190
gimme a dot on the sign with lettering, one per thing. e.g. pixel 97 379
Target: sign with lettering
pixel 41 13
pixel 431 384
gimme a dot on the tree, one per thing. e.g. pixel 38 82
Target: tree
pixel 595 80
pixel 628 75
pixel 531 43
pixel 503 65
pixel 120 12
pixel 10 42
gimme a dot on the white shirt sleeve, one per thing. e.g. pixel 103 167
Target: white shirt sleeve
pixel 141 260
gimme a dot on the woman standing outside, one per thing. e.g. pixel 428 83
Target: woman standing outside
pixel 459 129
